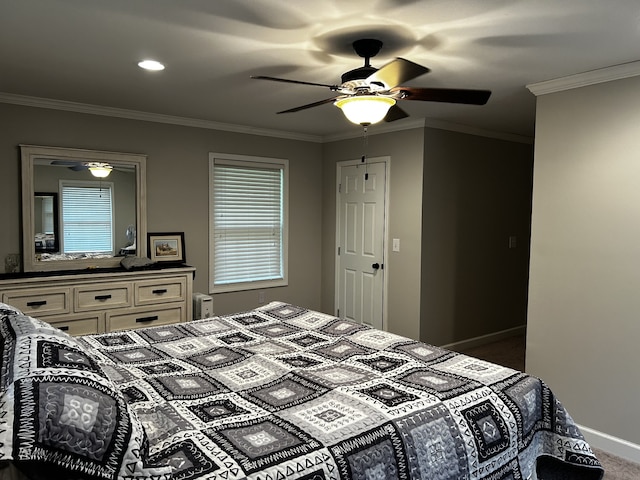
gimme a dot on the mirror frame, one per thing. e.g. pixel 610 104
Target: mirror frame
pixel 29 153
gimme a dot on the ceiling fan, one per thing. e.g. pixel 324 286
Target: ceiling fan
pixel 97 169
pixel 368 95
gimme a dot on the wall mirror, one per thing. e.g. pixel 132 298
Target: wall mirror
pixel 81 208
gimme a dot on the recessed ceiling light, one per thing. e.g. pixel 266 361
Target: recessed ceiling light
pixel 151 65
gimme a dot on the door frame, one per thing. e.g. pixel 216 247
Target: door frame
pixel 385 236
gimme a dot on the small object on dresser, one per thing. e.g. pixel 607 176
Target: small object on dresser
pixel 136 263
pixel 12 263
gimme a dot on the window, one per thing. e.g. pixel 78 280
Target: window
pixel 87 217
pixel 248 222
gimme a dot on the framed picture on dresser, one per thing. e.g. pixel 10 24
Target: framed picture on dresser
pixel 166 247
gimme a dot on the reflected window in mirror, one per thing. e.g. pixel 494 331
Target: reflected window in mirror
pixel 87 217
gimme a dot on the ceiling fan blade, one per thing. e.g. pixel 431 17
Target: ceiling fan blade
pixel 448 95
pixel 66 163
pixel 310 105
pixel 71 165
pixel 396 72
pixel 299 82
pixel 395 113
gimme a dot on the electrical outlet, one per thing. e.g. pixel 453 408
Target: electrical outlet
pixel 260 296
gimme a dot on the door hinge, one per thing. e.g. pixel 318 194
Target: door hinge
pixel 339 250
pixel 339 188
pixel 338 314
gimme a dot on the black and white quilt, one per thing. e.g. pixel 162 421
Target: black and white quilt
pixel 282 392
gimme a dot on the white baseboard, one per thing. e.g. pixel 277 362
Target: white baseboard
pixel 484 339
pixel 610 444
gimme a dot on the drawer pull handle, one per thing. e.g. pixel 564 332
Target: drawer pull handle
pixel 102 297
pixel 36 303
pixel 146 319
pixel 64 328
pixel 159 291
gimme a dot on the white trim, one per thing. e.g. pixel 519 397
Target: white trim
pixel 409 124
pixel 616 72
pixel 348 133
pixel 377 129
pixel 484 339
pixel 610 444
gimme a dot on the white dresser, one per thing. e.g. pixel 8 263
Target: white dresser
pixel 103 300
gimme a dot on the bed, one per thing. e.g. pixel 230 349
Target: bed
pixel 279 392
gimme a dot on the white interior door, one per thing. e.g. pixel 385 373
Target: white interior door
pixel 361 233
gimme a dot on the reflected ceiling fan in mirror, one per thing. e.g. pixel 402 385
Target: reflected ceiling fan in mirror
pixel 97 169
pixel 369 95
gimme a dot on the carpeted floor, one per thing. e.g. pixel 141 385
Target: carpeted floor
pixel 510 353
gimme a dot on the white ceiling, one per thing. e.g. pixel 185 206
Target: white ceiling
pixel 86 51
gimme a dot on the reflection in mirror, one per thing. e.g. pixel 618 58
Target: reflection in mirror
pixel 98 199
pixel 45 222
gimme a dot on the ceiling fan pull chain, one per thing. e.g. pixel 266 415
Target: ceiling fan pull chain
pixel 365 143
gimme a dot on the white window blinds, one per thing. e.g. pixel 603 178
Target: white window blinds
pixel 87 218
pixel 248 231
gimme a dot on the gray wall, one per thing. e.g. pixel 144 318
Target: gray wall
pixel 453 278
pixel 583 298
pixel 455 199
pixel 477 193
pixel 177 186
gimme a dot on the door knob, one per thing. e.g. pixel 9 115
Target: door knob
pixel 375 266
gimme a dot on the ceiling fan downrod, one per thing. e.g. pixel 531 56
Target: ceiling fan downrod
pixel 366 48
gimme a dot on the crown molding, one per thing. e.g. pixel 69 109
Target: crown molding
pixel 150 117
pixel 379 129
pixel 480 132
pixel 616 72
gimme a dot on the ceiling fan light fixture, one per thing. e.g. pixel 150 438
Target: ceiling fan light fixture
pixel 99 169
pixel 365 109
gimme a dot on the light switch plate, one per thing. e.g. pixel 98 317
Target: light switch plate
pixel 396 244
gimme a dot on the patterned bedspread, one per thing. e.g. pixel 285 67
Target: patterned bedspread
pixel 285 392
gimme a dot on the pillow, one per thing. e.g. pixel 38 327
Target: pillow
pixel 60 415
pixel 6 308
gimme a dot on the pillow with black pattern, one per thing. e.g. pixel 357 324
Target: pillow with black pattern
pixel 6 308
pixel 60 415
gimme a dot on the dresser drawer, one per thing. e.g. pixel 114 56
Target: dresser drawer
pixel 79 324
pixel 40 302
pixel 102 297
pixel 163 291
pixel 144 318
